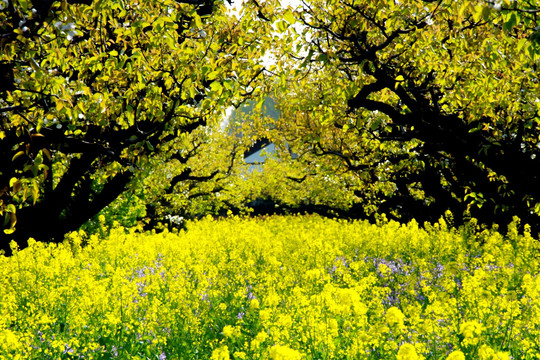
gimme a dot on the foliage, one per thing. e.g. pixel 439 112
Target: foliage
pixel 93 90
pixel 282 184
pixel 427 106
pixel 278 288
pixel 195 182
pixel 210 176
pixel 405 108
pixel 279 183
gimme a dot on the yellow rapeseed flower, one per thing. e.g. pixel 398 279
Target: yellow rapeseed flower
pixel 9 341
pixel 407 352
pixel 259 338
pixel 228 331
pixel 487 353
pixel 221 353
pixel 456 355
pixel 313 278
pixel 394 317
pixel 500 355
pixel 254 303
pixel 264 315
pixel 384 269
pixel 279 352
pixel 240 355
pixel 471 331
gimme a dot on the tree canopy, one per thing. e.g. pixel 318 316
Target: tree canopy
pixel 408 108
pixel 432 105
pixel 92 90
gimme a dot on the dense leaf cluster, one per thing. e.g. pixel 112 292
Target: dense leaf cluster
pixel 405 108
pixel 433 105
pixel 91 90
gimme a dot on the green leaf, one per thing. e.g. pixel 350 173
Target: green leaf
pixel 282 26
pixel 17 155
pixel 512 21
pixel 198 21
pixel 216 86
pixel 289 17
pixel 213 75
pixel 307 58
pixel 399 79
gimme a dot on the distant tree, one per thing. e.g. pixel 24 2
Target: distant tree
pixel 92 91
pixel 432 105
pixel 281 184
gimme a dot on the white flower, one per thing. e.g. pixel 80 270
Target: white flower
pixel 175 219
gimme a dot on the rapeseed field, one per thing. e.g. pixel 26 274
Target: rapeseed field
pixel 293 287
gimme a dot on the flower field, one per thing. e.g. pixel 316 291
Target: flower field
pixel 298 287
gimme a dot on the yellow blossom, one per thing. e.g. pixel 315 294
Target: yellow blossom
pixel 228 331
pixel 456 355
pixel 407 352
pixel 471 331
pixel 384 269
pixel 240 355
pixel 221 353
pixel 254 303
pixel 259 338
pixel 279 352
pixel 394 317
pixel 265 314
pixel 156 286
pixel 9 341
pixel 487 353
pixel 501 355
